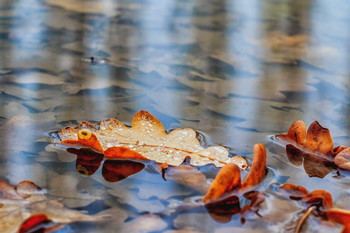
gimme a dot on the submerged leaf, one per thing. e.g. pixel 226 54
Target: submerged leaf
pixel 26 200
pixel 147 139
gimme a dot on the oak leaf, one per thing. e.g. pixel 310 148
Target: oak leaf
pixel 147 139
pixel 27 201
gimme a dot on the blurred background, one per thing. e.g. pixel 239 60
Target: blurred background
pixel 237 72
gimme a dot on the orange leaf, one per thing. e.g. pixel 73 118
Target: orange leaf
pixel 320 198
pixel 296 134
pixel 227 179
pixel 257 170
pixel 87 138
pixel 32 222
pixel 293 190
pixel 340 216
pixel 123 153
pixel 318 139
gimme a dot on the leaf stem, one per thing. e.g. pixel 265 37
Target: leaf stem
pixel 303 219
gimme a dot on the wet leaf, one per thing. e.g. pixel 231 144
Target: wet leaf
pixel 257 169
pixel 317 139
pixel 343 159
pixel 294 191
pixel 227 179
pixel 38 222
pixel 26 200
pixel 320 198
pixel 314 148
pixel 340 216
pixel 147 139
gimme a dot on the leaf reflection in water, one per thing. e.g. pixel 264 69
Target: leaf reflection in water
pixel 88 162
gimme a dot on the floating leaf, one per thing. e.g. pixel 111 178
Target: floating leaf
pixel 38 222
pixel 314 148
pixel 258 168
pixel 147 139
pixel 229 177
pixel 293 191
pixel 340 216
pixel 27 200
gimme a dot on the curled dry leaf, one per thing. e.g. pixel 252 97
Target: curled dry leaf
pixel 27 201
pixel 258 167
pixel 314 146
pixel 293 191
pixel 147 139
pixel 340 216
pixel 319 198
pixel 229 177
pixel 221 207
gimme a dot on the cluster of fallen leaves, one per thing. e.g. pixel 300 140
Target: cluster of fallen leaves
pixel 314 148
pixel 319 203
pixel 25 208
pixel 147 139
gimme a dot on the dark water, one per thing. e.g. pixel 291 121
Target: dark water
pixel 236 71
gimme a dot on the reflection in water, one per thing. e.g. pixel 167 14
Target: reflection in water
pixel 314 165
pixel 117 170
pixel 88 161
pixel 236 71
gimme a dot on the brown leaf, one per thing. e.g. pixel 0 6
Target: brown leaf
pixel 315 147
pixel 258 168
pixel 318 139
pixel 294 191
pixel 340 216
pixel 227 179
pixel 296 133
pixel 342 159
pixel 27 199
pixel 320 198
pixel 147 139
